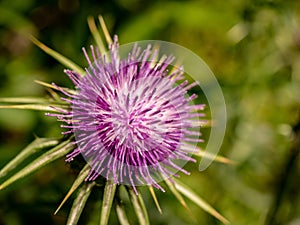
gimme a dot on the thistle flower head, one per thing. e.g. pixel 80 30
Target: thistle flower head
pixel 133 122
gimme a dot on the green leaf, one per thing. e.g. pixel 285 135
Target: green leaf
pixel 33 147
pixel 79 203
pixel 108 197
pixel 53 154
pixel 33 107
pixel 80 178
pixel 199 201
pixel 155 199
pixel 25 100
pixel 60 58
pixel 121 213
pixel 139 207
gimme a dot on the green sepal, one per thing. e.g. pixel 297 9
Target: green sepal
pixel 35 146
pixel 79 203
pixel 80 178
pixel 139 207
pixel 108 197
pixel 121 213
pixel 48 157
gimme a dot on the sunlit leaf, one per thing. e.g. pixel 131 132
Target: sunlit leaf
pixel 108 197
pixel 216 158
pixel 33 147
pixel 172 188
pixel 53 154
pixel 80 178
pixel 79 203
pixel 155 199
pixel 186 191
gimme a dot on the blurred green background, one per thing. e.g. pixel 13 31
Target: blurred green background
pixel 253 47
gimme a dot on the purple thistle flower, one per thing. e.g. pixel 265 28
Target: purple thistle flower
pixel 132 122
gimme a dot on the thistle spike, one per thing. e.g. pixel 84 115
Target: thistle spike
pixel 96 34
pixel 105 30
pixel 80 178
pixel 79 203
pixel 60 58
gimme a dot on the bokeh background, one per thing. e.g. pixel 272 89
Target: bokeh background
pixel 253 47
